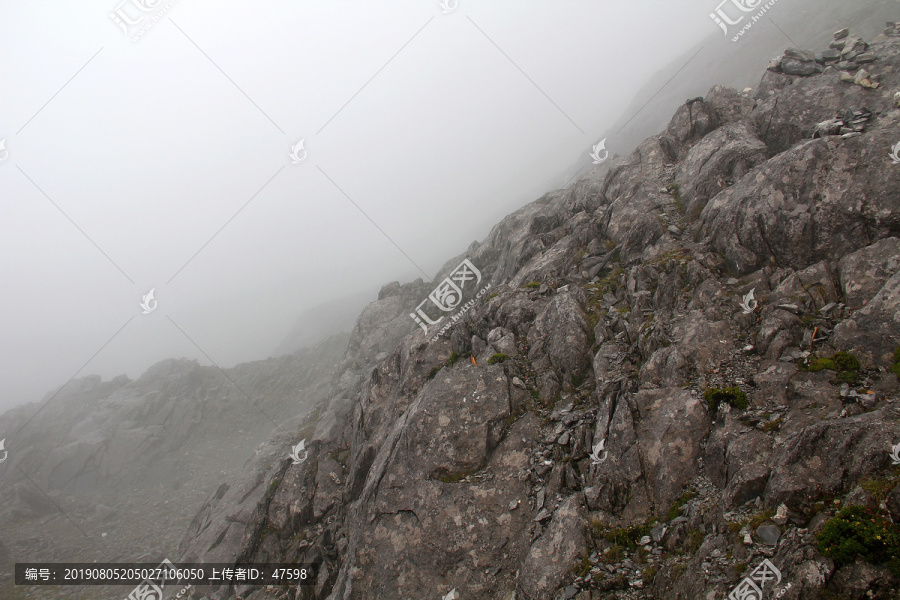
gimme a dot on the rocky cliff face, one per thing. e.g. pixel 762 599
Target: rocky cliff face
pixel 729 435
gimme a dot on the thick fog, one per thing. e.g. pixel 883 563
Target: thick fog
pixel 161 158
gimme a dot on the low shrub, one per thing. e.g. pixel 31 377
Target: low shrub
pixel 859 532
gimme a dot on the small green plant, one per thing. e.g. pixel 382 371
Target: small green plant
pixel 648 574
pixel 675 509
pixel 736 526
pixel 733 395
pixel 533 285
pixel 628 537
pixel 452 360
pixel 616 553
pixel 773 425
pixel 494 295
pixel 695 540
pixel 760 518
pixel 583 567
pixel 434 371
pixel 879 488
pixel 859 532
pixel 497 358
pixel 895 368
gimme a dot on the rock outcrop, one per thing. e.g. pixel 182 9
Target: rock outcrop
pixel 680 370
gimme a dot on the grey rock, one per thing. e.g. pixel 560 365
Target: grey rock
pixel 768 534
pixel 797 67
pixel 861 580
pixel 551 557
pixel 864 272
pixel 799 55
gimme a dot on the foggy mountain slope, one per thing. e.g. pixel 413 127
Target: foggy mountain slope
pixel 718 61
pixel 135 458
pixel 314 324
pixel 719 310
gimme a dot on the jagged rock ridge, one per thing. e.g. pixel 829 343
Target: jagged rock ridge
pixel 615 315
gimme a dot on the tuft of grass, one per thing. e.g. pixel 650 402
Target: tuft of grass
pixel 857 532
pixel 879 488
pixel 648 574
pixel 733 395
pixel 532 285
pixel 453 358
pixel 695 540
pixel 736 526
pixel 497 358
pixel 494 295
pixel 583 567
pixel 760 518
pixel 675 509
pixel 616 553
pixel 626 537
pixel 773 425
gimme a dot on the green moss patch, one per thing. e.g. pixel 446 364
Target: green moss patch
pixel 497 358
pixel 843 363
pixel 733 395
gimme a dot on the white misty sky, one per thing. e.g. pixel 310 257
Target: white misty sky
pixel 126 158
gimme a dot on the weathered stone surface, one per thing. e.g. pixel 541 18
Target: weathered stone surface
pixel 717 161
pixel 551 556
pixel 561 334
pixel 798 215
pixel 861 580
pixel 864 272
